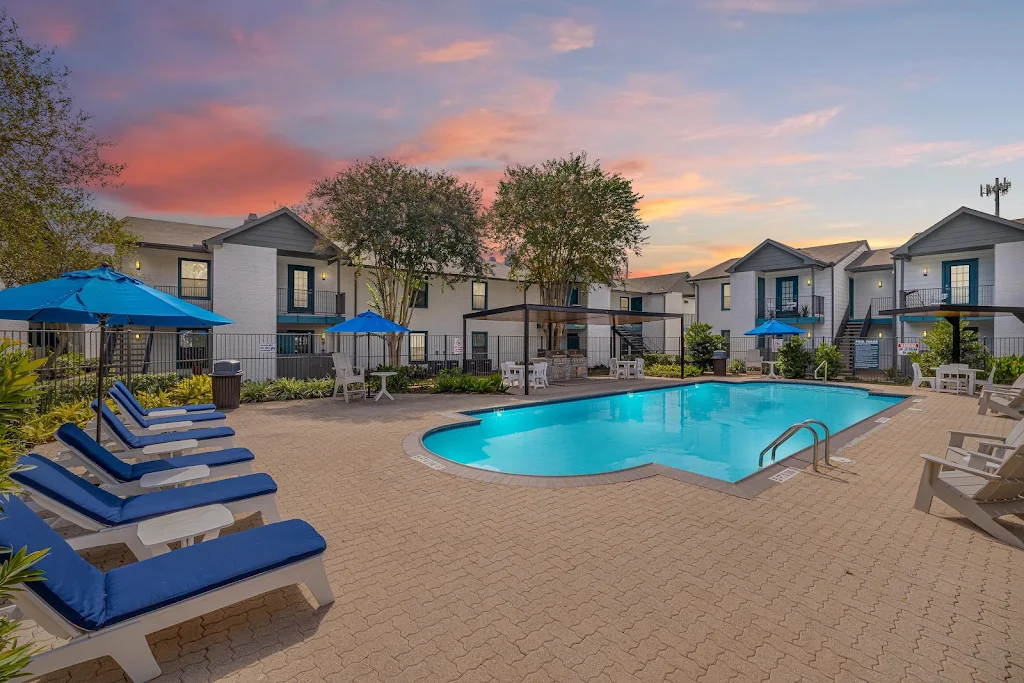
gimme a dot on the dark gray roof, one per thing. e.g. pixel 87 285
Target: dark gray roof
pixel 721 270
pixel 157 233
pixel 978 236
pixel 872 259
pixel 830 254
pixel 659 284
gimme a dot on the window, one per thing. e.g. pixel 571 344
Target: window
pixel 419 296
pixel 193 279
pixel 726 296
pixel 636 303
pixel 479 297
pixel 572 341
pixel 300 289
pixel 623 303
pixel 574 297
pixel 479 344
pixel 417 347
pixel 726 334
pixel 193 349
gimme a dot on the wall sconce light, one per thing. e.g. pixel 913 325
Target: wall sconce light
pixel 808 335
pixel 323 336
pixel 808 282
pixel 879 335
pixel 879 283
pixel 323 275
pixel 924 271
pixel 925 333
pixel 138 265
pixel 138 336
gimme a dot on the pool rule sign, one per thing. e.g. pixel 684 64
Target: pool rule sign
pixel 865 354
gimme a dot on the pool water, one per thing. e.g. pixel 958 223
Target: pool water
pixel 716 429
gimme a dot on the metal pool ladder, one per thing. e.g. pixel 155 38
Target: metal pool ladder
pixel 792 430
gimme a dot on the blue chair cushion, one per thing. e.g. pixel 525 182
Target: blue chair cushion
pixel 92 600
pixel 53 481
pixel 73 588
pixel 130 397
pixel 224 456
pixel 144 419
pixel 75 438
pixel 186 573
pixel 124 434
pixel 115 425
pixel 146 505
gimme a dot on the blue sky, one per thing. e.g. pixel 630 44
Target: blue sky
pixel 808 121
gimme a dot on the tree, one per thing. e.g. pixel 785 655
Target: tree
pixel 565 224
pixel 49 158
pixel 795 357
pixel 940 347
pixel 405 226
pixel 700 344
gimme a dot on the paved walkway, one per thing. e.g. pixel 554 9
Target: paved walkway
pixel 438 578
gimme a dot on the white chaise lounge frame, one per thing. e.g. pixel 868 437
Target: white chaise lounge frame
pixel 126 642
pixel 183 423
pixel 128 534
pixel 185 445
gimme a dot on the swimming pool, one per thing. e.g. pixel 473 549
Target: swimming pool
pixel 716 429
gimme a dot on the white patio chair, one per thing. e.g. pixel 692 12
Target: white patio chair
pixel 509 377
pixel 920 379
pixel 621 369
pixel 753 360
pixel 539 375
pixel 345 376
pixel 1009 403
pixel 639 372
pixel 980 495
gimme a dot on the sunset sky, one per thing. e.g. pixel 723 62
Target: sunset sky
pixel 809 121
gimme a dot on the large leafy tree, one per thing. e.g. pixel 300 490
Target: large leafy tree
pixel 404 226
pixel 49 159
pixel 566 223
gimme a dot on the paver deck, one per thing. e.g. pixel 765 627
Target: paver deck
pixel 831 577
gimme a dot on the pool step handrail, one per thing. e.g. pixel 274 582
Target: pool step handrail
pixel 792 430
pixel 824 364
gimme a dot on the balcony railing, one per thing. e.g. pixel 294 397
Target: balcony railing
pixel 310 302
pixel 792 307
pixel 197 296
pixel 982 295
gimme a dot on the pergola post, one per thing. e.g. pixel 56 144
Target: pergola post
pixel 526 351
pixel 464 345
pixel 955 322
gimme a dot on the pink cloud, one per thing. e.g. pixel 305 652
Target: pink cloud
pixel 216 161
pixel 805 123
pixel 459 51
pixel 570 35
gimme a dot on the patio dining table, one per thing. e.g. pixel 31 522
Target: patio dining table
pixel 628 365
pixel 949 373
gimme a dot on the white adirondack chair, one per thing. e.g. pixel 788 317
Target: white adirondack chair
pixel 920 379
pixel 345 376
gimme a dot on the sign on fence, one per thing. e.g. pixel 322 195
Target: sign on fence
pixel 907 348
pixel 456 346
pixel 865 354
pixel 268 348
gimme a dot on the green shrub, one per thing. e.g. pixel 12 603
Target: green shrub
pixel 701 344
pixel 1008 369
pixel 398 383
pixel 254 391
pixel 940 348
pixel 39 429
pixel 737 367
pixel 671 370
pixel 829 353
pixel 71 364
pixel 152 384
pixel 458 382
pixel 191 390
pixel 660 359
pixel 895 376
pixel 794 358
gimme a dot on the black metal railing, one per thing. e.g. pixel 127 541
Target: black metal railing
pixel 197 296
pixel 791 307
pixel 881 303
pixel 934 296
pixel 310 302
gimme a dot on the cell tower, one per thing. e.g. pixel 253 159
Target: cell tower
pixel 998 189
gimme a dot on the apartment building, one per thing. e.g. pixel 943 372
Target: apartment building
pixel 666 293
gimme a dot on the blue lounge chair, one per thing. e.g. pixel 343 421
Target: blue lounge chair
pixel 163 422
pixel 118 476
pixel 113 519
pixel 110 614
pixel 148 446
pixel 163 412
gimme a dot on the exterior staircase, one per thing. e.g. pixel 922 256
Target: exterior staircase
pixel 845 343
pixel 634 339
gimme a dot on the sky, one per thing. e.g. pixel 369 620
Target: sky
pixel 807 121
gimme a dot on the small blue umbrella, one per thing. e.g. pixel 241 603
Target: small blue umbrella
pixel 772 328
pixel 101 295
pixel 367 322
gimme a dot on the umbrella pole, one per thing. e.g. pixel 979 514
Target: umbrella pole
pixel 99 381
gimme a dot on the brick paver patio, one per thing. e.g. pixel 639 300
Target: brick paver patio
pixel 439 578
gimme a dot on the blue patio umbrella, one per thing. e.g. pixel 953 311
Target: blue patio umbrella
pixel 367 322
pixel 772 328
pixel 101 295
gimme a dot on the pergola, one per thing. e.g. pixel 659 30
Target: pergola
pixel 541 313
pixel 953 313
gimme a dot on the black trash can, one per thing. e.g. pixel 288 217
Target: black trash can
pixel 719 359
pixel 227 383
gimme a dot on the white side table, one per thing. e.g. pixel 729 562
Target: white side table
pixel 383 384
pixel 184 526
pixel 771 369
pixel 174 477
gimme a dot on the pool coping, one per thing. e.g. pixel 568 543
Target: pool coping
pixel 747 488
